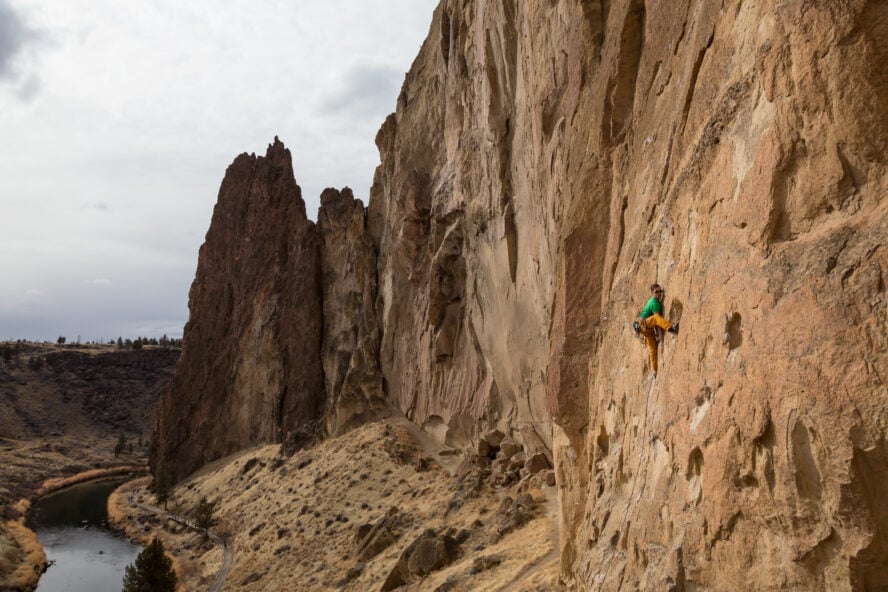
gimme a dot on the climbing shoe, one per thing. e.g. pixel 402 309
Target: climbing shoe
pixel 674 329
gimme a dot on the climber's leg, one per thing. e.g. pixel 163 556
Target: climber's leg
pixel 652 346
pixel 656 320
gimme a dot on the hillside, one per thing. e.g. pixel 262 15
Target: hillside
pixel 373 509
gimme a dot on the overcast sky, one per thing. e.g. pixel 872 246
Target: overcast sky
pixel 119 117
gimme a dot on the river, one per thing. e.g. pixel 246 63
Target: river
pixel 72 525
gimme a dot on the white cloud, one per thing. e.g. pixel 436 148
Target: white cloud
pixel 113 165
pixel 98 282
pixel 34 292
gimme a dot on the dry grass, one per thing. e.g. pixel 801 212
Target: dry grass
pixel 292 521
pixel 51 485
pixel 118 507
pixel 25 556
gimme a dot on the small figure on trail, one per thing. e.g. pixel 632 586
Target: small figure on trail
pixel 651 322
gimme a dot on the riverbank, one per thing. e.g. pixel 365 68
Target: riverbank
pixel 130 512
pixel 22 558
pixel 196 559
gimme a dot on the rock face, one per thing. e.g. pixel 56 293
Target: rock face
pixel 548 161
pixel 351 326
pixel 466 234
pixel 250 370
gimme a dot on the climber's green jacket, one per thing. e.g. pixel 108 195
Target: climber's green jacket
pixel 653 306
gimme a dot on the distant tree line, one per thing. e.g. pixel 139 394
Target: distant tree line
pixel 14 347
pixel 12 352
pixel 140 342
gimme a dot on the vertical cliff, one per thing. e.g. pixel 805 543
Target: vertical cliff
pixel 546 162
pixel 250 370
pixel 466 233
pixel 350 349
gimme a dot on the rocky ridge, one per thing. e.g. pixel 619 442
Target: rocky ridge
pixel 250 370
pixel 546 162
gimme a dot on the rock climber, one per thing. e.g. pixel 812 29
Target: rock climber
pixel 651 321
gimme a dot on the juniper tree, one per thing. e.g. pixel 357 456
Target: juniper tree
pixel 203 515
pixel 152 571
pixel 161 485
pixel 121 444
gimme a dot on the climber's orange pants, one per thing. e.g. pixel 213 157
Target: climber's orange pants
pixel 652 321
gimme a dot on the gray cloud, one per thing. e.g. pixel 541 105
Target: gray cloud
pixel 13 35
pixel 369 89
pixel 99 206
pixel 29 88
pixel 17 40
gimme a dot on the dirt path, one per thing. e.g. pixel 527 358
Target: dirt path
pixel 227 555
pixel 226 564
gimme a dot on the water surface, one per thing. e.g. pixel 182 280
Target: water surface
pixel 72 526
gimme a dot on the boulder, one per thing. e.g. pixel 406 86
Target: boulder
pixel 509 448
pixel 429 552
pixel 536 463
pixel 493 438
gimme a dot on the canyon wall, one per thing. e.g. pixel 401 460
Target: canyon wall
pixel 250 371
pixel 461 209
pixel 352 332
pixel 546 162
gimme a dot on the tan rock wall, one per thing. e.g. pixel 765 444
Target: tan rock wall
pixel 465 252
pixel 546 162
pixel 350 349
pixel 549 160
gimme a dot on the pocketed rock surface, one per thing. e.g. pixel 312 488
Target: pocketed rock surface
pixel 370 510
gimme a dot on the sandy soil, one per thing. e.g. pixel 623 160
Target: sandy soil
pixel 293 523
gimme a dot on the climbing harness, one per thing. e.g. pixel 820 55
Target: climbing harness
pixel 639 328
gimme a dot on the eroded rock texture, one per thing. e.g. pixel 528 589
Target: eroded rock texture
pixel 250 370
pixel 548 161
pixel 462 211
pixel 351 325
